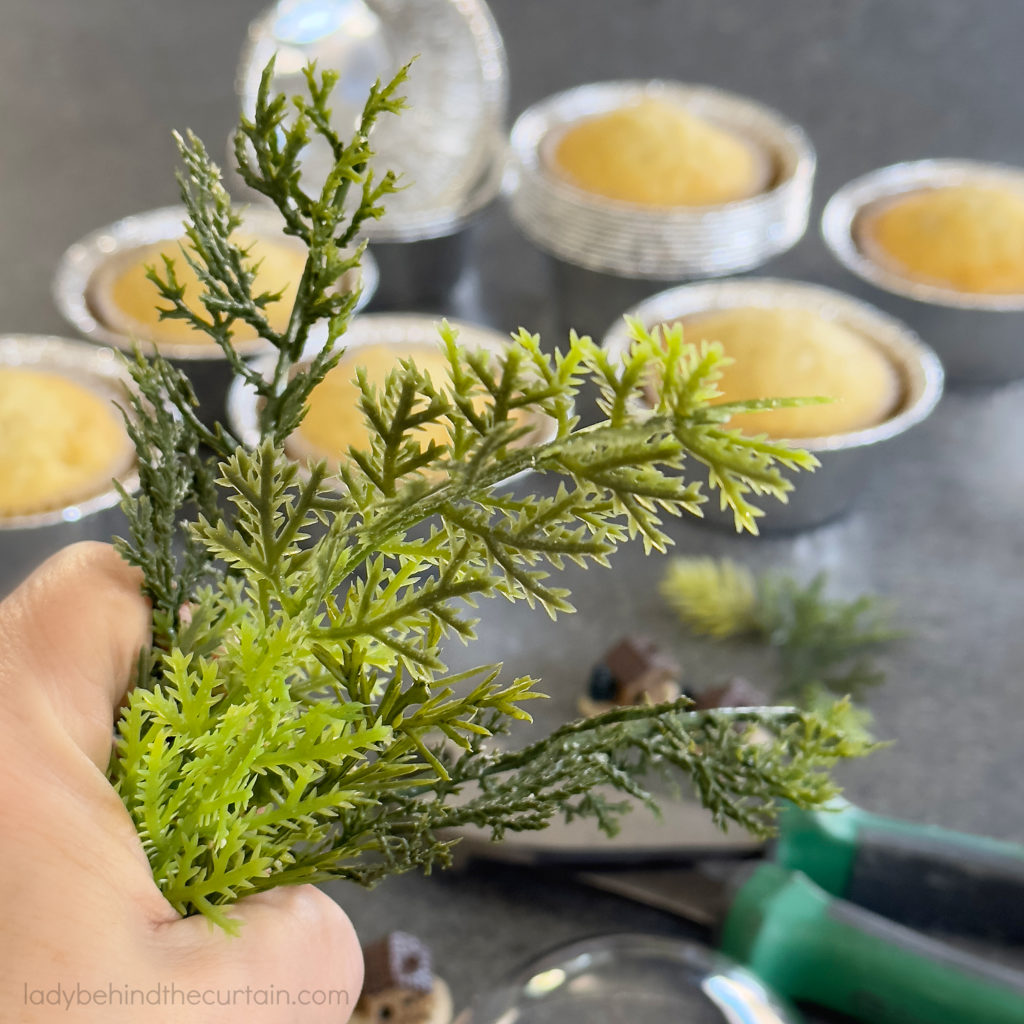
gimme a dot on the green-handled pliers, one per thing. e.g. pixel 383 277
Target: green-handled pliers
pixel 831 918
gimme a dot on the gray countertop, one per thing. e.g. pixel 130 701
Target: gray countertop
pixel 89 93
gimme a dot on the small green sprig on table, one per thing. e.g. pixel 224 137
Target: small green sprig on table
pixel 825 645
pixel 294 720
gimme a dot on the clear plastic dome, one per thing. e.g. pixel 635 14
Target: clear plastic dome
pixel 448 146
pixel 630 979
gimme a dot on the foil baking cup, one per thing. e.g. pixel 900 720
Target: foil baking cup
pixel 979 337
pixel 660 242
pixel 846 459
pixel 81 261
pixel 28 539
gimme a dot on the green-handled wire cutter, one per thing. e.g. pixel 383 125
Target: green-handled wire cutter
pixel 831 918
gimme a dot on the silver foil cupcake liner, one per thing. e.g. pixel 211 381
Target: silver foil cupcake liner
pixel 665 243
pixel 205 364
pixel 846 459
pixel 81 261
pixel 979 337
pixel 28 539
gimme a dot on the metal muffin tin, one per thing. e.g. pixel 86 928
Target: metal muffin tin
pixel 979 337
pixel 406 332
pixel 640 241
pixel 26 540
pixel 205 364
pixel 846 459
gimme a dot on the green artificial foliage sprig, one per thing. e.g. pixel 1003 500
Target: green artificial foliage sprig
pixel 823 643
pixel 295 720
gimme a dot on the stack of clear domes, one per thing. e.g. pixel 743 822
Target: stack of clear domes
pixel 448 147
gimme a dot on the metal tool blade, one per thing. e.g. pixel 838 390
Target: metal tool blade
pixel 685 832
pixel 701 894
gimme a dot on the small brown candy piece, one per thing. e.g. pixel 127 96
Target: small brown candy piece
pixel 642 671
pixel 656 686
pixel 737 693
pixel 635 655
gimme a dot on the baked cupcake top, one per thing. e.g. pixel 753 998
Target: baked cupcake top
pixel 124 300
pixel 966 237
pixel 657 153
pixel 791 353
pixel 334 421
pixel 60 442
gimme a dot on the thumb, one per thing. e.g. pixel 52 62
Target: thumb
pixel 71 635
pixel 294 960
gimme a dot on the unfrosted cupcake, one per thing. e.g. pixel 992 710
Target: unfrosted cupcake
pixel 967 237
pixel 334 422
pixel 61 442
pixel 790 339
pixel 658 153
pixel 787 351
pixel 629 186
pixel 941 243
pixel 125 301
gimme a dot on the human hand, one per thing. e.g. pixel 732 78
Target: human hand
pixel 86 935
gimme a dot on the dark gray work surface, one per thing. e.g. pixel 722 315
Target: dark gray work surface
pixel 89 92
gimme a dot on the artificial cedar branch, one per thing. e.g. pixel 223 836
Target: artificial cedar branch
pixel 299 723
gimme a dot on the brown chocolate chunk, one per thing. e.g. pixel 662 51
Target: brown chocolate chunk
pixel 737 693
pixel 398 961
pixel 633 656
pixel 657 686
pixel 642 671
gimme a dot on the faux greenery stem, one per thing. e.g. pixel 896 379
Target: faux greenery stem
pixel 295 720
